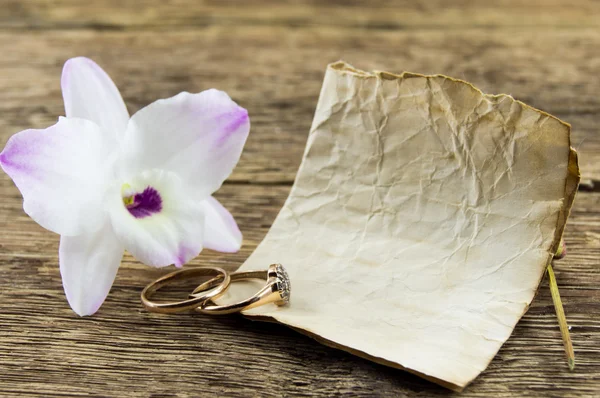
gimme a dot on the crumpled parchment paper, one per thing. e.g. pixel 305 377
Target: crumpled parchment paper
pixel 421 221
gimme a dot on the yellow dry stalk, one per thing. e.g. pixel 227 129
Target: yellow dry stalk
pixel 562 320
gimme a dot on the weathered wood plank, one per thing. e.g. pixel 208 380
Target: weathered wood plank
pixel 276 73
pixel 379 14
pixel 48 350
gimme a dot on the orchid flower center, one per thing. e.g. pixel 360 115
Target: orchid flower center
pixel 141 204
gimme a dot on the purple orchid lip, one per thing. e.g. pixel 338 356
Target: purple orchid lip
pixel 144 204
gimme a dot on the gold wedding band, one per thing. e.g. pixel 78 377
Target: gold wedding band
pixel 216 289
pixel 277 290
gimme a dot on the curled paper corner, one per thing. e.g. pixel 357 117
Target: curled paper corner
pixel 421 221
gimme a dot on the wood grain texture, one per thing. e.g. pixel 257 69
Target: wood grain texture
pixel 363 14
pixel 271 56
pixel 276 73
pixel 46 349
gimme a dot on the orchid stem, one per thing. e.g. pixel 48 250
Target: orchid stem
pixel 562 320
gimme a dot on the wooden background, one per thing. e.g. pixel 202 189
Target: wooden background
pixel 270 55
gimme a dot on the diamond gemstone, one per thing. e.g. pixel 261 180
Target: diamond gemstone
pixel 283 283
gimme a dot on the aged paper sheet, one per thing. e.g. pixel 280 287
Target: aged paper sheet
pixel 421 221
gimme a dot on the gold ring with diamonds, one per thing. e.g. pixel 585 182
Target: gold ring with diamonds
pixel 217 288
pixel 276 291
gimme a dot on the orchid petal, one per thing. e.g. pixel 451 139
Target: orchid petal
pixel 89 93
pixel 221 232
pixel 88 266
pixel 198 136
pixel 60 172
pixel 169 230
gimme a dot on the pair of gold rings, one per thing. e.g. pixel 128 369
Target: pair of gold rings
pixel 276 290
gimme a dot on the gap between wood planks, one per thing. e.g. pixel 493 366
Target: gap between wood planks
pixel 375 27
pixel 584 186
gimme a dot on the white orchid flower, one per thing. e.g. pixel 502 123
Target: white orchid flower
pixel 107 182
